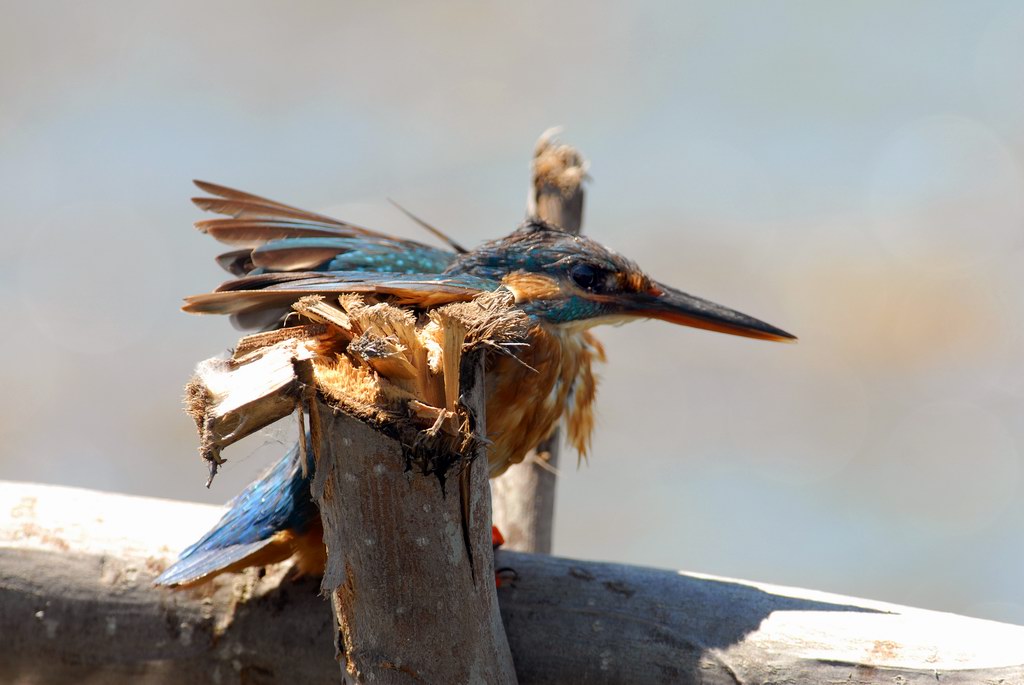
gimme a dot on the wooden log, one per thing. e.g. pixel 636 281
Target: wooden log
pixel 524 496
pixel 77 603
pixel 625 624
pixel 410 570
pixel 77 606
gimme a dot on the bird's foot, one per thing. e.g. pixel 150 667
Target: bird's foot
pixel 504 576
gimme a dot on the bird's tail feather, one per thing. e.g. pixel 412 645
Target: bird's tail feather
pixel 272 519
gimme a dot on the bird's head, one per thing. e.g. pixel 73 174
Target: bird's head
pixel 572 281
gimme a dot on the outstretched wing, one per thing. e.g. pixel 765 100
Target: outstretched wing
pixel 284 253
pixel 275 237
pixel 247 297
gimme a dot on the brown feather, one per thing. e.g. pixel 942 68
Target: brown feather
pixel 237 262
pixel 310 552
pixel 433 230
pixel 240 301
pixel 257 281
pixel 529 287
pixel 229 301
pixel 293 258
pixel 237 199
pixel 526 404
pixel 248 209
pixel 235 194
pixel 579 412
pixel 256 232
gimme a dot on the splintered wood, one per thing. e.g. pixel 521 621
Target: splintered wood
pixel 393 368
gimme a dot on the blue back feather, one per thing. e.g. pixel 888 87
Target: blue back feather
pixel 359 253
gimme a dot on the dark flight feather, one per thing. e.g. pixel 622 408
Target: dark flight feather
pixel 279 290
pixel 285 238
pixel 255 232
pixel 237 203
pixel 237 262
pixel 437 232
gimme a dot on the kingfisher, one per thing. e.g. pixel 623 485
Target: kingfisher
pixel 566 284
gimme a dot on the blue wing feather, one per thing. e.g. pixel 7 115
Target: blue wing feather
pixel 351 254
pixel 278 501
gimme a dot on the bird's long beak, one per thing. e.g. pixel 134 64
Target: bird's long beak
pixel 668 304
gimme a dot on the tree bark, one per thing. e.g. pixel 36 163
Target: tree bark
pixel 410 571
pixel 77 606
pixel 524 496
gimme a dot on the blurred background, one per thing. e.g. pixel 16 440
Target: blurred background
pixel 851 172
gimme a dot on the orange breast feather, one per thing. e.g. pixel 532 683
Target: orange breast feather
pixel 527 397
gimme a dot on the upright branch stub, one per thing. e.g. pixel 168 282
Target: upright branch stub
pixel 556 193
pixel 524 496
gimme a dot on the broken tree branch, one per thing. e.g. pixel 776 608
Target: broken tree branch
pixel 410 571
pixel 77 606
pixel 396 409
pixel 524 496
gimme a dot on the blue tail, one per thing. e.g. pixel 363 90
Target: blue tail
pixel 260 526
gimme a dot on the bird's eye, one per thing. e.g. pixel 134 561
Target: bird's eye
pixel 586 276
